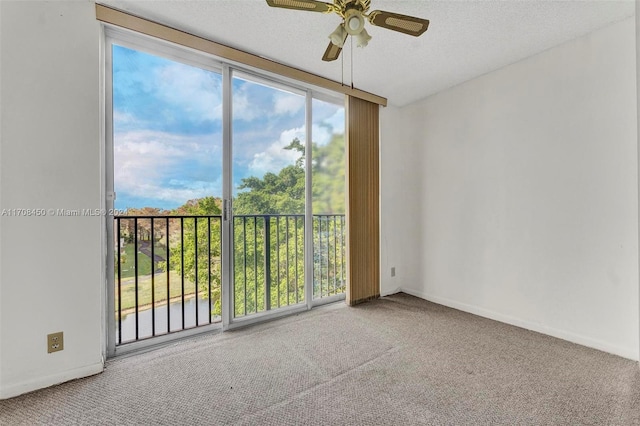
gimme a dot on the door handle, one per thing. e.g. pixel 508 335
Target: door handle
pixel 225 210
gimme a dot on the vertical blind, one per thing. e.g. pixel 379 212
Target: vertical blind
pixel 363 213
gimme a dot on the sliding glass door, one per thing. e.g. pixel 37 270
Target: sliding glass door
pixel 328 201
pixel 268 192
pixel 227 194
pixel 166 152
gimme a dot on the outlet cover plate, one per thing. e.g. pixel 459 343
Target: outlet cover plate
pixel 55 342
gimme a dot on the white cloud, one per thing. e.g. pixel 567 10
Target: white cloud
pixel 251 100
pixel 176 196
pixel 242 108
pixel 287 136
pixel 273 159
pixel 121 118
pixel 329 114
pixel 337 121
pixel 191 90
pixel 286 103
pixel 144 162
pixel 320 134
pixel 180 191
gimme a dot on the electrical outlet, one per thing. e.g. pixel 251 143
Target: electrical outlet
pixel 55 342
pixel 393 271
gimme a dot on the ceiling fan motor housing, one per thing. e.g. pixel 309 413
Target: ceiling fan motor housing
pixel 353 21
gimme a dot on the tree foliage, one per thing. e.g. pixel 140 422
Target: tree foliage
pixel 284 192
pixel 194 244
pixel 328 168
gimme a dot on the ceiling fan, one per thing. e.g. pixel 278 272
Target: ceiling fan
pixel 353 14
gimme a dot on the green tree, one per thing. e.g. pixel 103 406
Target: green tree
pixel 196 251
pixel 328 168
pixel 274 193
pixel 281 193
pixel 284 193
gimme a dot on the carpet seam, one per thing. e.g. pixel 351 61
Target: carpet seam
pixel 393 349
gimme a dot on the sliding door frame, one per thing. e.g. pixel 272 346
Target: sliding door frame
pixel 297 89
pixel 227 195
pixel 310 94
pixel 131 40
pixel 147 44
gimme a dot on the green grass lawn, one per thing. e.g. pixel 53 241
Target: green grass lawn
pixel 145 286
pixel 144 262
pixel 128 288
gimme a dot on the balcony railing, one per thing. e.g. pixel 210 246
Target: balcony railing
pixel 168 269
pixel 329 255
pixel 168 274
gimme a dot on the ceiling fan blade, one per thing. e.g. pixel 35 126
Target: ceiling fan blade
pixel 309 5
pixel 402 23
pixel 332 53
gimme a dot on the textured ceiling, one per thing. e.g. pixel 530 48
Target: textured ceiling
pixel 465 38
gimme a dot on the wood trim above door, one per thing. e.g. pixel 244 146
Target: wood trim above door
pixel 144 26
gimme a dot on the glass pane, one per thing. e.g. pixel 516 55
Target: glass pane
pixel 328 194
pixel 268 197
pixel 167 148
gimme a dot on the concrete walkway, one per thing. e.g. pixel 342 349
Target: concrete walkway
pixel 145 248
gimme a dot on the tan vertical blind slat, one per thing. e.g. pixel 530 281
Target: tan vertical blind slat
pixel 363 213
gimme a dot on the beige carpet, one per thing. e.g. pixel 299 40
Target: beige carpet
pixel 398 360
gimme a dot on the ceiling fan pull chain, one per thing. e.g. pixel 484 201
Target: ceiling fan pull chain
pixel 342 69
pixel 351 42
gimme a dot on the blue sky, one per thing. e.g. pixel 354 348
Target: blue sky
pixel 167 122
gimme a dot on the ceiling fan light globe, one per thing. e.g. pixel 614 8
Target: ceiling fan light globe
pixel 363 38
pixel 337 37
pixel 354 23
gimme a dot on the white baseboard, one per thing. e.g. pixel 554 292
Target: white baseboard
pixel 388 292
pixel 54 379
pixel 540 328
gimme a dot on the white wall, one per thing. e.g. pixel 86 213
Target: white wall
pixel 521 190
pixel 50 278
pixel 513 196
pixel 401 217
